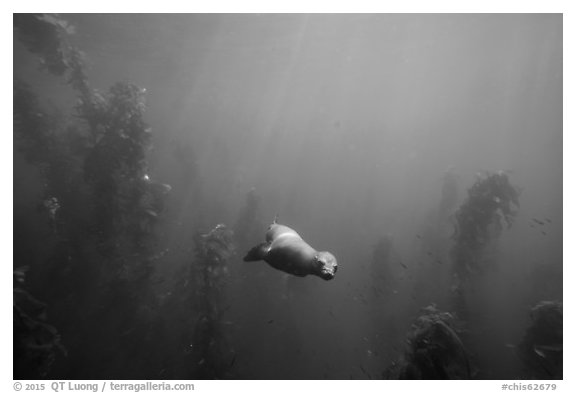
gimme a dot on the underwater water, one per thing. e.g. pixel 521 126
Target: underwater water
pixel 151 152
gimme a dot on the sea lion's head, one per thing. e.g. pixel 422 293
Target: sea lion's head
pixel 325 265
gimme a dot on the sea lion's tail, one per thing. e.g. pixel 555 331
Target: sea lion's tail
pixel 257 253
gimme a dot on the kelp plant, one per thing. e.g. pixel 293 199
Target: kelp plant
pixel 126 201
pixel 36 342
pixel 433 350
pixel 98 192
pixel 212 354
pixel 541 348
pixel 479 222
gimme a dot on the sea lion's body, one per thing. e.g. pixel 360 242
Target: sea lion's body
pixel 285 250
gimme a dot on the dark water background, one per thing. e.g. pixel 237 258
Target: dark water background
pixel 345 126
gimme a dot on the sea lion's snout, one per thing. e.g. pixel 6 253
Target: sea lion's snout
pixel 327 265
pixel 328 274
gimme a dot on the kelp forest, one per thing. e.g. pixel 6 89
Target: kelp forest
pixel 129 227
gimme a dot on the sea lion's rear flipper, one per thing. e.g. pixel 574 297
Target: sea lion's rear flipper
pixel 257 253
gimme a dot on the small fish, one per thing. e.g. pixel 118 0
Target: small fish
pixel 429 253
pixel 403 265
pixel 331 313
pixel 549 220
pixel 270 321
pixel 201 362
pixel 544 233
pixel 438 261
pixel 551 348
pixel 539 352
pixel 233 361
pixel 151 213
pixel 538 221
pixel 419 237
pixel 20 273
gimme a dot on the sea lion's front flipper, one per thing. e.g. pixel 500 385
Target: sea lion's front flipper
pixel 257 253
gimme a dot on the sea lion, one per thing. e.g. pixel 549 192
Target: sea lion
pixel 285 250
